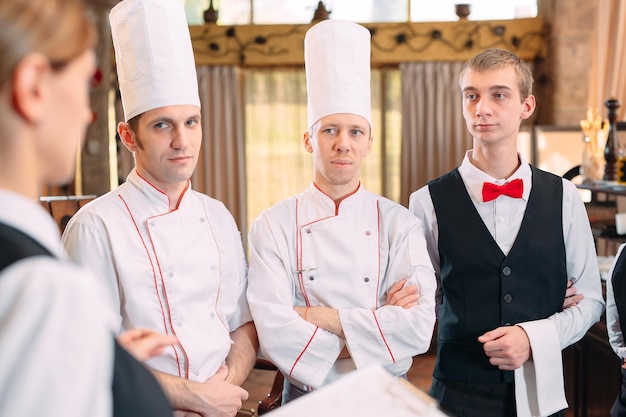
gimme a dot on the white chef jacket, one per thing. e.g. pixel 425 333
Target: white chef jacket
pixel 306 251
pixel 503 217
pixel 616 338
pixel 179 272
pixel 56 342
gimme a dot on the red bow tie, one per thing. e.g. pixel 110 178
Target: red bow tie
pixel 512 189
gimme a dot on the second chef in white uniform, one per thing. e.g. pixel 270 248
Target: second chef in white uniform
pixel 339 278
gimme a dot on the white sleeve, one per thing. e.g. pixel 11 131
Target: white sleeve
pixel 582 267
pixel 421 205
pixel 613 327
pixel 88 246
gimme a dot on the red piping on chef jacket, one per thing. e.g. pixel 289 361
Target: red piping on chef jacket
pixel 378 287
pixel 157 291
pixel 303 350
pixel 299 258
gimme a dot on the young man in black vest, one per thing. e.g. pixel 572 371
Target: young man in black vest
pixel 616 308
pixel 506 239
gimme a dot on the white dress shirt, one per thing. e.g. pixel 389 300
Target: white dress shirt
pixel 616 338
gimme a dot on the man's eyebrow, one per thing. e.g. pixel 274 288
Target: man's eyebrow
pixel 161 119
pixel 500 87
pixel 492 88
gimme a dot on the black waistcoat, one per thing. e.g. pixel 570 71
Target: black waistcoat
pixel 136 393
pixel 618 280
pixel 482 288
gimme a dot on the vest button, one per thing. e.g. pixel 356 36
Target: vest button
pixel 366 279
pixel 506 271
pixel 311 278
pixel 508 298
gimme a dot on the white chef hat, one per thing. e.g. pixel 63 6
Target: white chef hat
pixel 337 63
pixel 154 56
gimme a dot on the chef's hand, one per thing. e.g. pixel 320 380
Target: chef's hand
pixel 144 344
pixel 507 347
pixel 218 398
pixel 406 297
pixel 571 295
pixel 324 317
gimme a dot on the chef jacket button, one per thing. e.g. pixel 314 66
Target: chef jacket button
pixel 366 279
pixel 152 224
pixel 311 278
pixel 213 268
pixel 308 231
pixel 170 274
pixel 212 314
pixel 506 271
pixel 508 298
pixel 202 219
pixel 367 233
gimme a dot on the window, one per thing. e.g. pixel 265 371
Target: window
pixel 239 12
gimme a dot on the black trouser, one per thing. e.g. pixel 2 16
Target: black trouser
pixel 468 399
pixel 619 407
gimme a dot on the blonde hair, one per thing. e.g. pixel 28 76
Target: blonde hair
pixel 494 58
pixel 59 29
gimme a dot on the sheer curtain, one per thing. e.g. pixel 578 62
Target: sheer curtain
pixel 608 75
pixel 220 172
pixel 277 164
pixel 434 136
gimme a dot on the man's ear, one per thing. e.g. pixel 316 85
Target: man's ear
pixel 306 141
pixel 369 145
pixel 127 136
pixel 528 107
pixel 30 89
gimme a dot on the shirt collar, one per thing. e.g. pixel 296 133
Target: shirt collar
pixel 30 218
pixel 474 177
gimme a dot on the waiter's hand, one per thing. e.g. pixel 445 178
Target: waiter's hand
pixel 406 297
pixel 571 296
pixel 507 347
pixel 144 344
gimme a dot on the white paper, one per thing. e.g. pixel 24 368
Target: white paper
pixel 365 393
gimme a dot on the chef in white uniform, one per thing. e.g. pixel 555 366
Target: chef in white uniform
pixel 171 259
pixel 505 238
pixel 339 278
